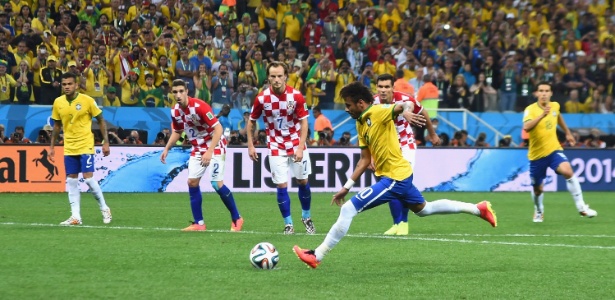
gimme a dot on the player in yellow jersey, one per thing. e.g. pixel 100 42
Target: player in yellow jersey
pixel 540 120
pixel 378 139
pixel 74 112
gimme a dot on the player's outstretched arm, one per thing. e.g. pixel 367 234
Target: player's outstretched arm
pixel 175 135
pixel 362 165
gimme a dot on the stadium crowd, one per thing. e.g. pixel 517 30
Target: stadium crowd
pixel 478 55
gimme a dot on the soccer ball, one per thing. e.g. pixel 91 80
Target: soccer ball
pixel 264 256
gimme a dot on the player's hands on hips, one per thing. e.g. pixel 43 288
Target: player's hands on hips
pixel 163 156
pixel 206 158
pixel 252 153
pixel 435 139
pixel 414 119
pixel 338 198
pixel 105 149
pixel 52 154
pixel 299 155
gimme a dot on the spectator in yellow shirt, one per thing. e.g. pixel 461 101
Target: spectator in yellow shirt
pixel 110 98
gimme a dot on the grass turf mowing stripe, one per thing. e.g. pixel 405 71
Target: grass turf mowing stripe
pixel 360 235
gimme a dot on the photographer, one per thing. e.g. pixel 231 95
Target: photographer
pixel 261 138
pixel 221 88
pixel 344 140
pixel 18 137
pixel 133 138
pixel 44 135
pixel 325 137
pixel 114 139
pixel 236 139
pixel 161 139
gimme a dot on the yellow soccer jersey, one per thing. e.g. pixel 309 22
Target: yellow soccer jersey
pixel 543 138
pixel 76 116
pixel 377 132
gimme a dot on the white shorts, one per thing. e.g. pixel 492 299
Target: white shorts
pixel 409 155
pixel 216 167
pixel 279 166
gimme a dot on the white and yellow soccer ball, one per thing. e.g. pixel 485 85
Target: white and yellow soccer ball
pixel 264 256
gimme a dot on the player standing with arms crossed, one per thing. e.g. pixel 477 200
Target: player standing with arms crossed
pixel 195 118
pixel 285 116
pixel 540 120
pixel 386 95
pixel 378 139
pixel 74 112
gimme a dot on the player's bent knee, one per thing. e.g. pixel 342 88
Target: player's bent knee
pixel 302 181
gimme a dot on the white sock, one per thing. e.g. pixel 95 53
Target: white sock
pixel 577 194
pixel 538 204
pixel 74 197
pixel 337 231
pixel 97 192
pixel 445 206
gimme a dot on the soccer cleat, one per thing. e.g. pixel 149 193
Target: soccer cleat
pixel 106 215
pixel 538 217
pixel 289 229
pixel 309 225
pixel 195 227
pixel 392 230
pixel 307 256
pixel 402 228
pixel 71 221
pixel 487 213
pixel 588 212
pixel 237 224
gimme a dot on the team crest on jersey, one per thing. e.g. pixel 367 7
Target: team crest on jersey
pixel 195 118
pixel 78 106
pixel 554 114
pixel 290 105
pixel 369 122
pixel 210 116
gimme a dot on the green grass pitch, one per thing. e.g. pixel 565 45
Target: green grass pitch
pixel 143 255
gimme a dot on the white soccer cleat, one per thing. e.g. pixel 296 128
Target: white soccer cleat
pixel 538 217
pixel 71 221
pixel 588 212
pixel 106 215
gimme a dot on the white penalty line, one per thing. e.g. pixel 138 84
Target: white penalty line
pixel 415 237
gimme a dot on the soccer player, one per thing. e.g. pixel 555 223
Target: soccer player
pixel 540 120
pixel 378 138
pixel 203 130
pixel 73 112
pixel 285 115
pixel 386 95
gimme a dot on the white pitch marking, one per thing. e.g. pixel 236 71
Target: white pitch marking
pixel 363 235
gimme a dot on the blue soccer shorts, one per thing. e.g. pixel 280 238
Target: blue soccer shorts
pixel 76 164
pixel 538 168
pixel 385 190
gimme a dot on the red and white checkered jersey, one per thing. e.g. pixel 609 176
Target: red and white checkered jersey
pixel 282 115
pixel 404 130
pixel 197 121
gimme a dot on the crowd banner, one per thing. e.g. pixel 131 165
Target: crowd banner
pixel 138 169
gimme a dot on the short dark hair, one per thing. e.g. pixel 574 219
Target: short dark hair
pixel 275 64
pixel 385 77
pixel 316 108
pixel 69 75
pixel 357 91
pixel 180 82
pixel 544 83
